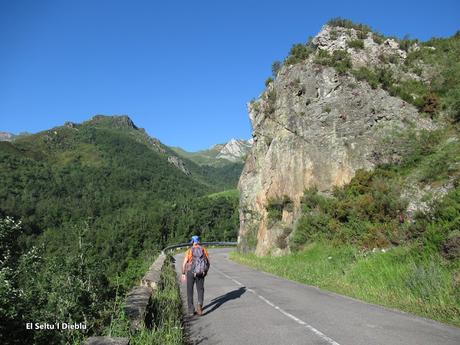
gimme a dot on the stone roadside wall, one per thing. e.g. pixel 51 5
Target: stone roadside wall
pixel 137 303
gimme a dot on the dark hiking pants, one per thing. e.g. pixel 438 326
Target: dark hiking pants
pixel 199 289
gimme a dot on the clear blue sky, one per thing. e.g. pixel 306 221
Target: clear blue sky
pixel 183 70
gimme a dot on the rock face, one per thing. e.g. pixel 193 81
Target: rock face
pixel 179 164
pixel 120 121
pixel 314 127
pixel 235 150
pixel 5 136
pixel 338 38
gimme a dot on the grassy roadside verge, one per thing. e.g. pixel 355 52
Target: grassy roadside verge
pixel 401 278
pixel 167 326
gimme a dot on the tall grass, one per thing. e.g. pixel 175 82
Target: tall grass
pixel 403 278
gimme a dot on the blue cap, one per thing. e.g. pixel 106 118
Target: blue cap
pixel 195 239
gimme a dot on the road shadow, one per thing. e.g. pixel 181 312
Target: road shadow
pixel 218 301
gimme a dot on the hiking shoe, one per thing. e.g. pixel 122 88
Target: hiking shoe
pixel 191 312
pixel 199 310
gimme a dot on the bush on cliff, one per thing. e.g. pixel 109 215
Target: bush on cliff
pixel 298 53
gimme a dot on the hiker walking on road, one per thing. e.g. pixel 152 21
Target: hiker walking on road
pixel 194 269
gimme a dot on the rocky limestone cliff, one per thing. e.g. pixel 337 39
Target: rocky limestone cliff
pixel 332 38
pixel 315 127
pixel 5 136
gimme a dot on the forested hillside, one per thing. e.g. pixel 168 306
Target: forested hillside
pixel 84 209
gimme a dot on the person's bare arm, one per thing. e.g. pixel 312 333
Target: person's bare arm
pixel 184 263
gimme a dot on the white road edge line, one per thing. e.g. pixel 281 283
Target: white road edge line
pixel 285 313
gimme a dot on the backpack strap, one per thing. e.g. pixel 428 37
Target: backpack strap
pixel 205 251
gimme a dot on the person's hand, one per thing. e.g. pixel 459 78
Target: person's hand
pixel 183 278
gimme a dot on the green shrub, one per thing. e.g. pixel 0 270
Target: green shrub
pixel 313 201
pixel 271 98
pixel 364 73
pixel 433 229
pixel 268 81
pixel 385 77
pixel 339 59
pixel 418 145
pixel 406 43
pixel 308 229
pixel 346 23
pixel 455 108
pixel 277 205
pixel 276 66
pixel 398 91
pixel 442 55
pixel 412 87
pixel 411 91
pixel 322 57
pixel 356 44
pixel 414 56
pixel 375 199
pixel 298 53
pixel 452 101
pixel 378 38
pixel 333 34
pixel 365 212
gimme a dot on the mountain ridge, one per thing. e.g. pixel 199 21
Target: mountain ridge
pixel 216 159
pixel 233 151
pixel 63 142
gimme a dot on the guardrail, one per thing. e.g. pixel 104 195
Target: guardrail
pixel 183 245
pixel 140 297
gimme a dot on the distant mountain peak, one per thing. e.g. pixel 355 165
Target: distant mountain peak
pixel 217 147
pixel 117 121
pixel 5 136
pixel 234 150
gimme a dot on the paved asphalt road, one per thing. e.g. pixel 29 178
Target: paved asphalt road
pixel 245 306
